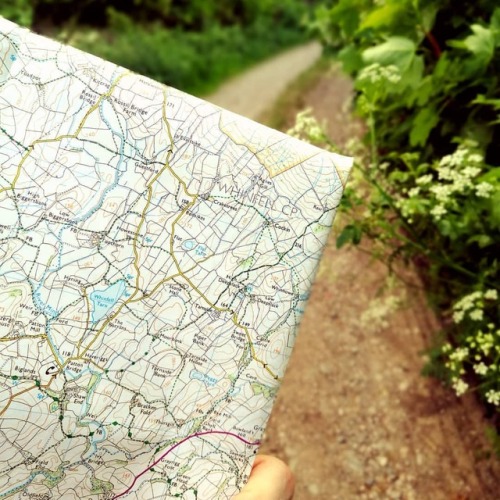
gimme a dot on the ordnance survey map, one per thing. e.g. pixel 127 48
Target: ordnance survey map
pixel 156 254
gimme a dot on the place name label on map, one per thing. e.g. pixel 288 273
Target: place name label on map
pixel 268 301
pixel 31 197
pixel 33 77
pixel 254 197
pixel 131 109
pixel 146 166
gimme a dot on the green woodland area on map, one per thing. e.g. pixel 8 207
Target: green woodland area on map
pixel 189 44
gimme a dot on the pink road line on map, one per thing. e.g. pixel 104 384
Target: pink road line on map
pixel 172 448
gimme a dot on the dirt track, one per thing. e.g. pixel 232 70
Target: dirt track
pixel 354 418
pixel 253 92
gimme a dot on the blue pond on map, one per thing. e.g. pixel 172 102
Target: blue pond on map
pixel 200 249
pixel 104 300
pixel 203 377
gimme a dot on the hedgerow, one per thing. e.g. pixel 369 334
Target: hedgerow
pixel 427 84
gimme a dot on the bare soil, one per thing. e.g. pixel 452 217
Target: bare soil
pixel 354 418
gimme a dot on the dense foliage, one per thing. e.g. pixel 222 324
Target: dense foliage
pixel 190 44
pixel 190 60
pixel 427 78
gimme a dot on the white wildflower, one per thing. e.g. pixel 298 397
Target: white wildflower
pixel 484 189
pixel 460 354
pixel 475 158
pixel 458 316
pixel 446 161
pixel 438 211
pixel 414 191
pixel 471 172
pixel 467 301
pixel 476 315
pixel 442 192
pixel 481 368
pixel 307 127
pixel 376 73
pixel 460 386
pixel 393 76
pixel 424 179
pixel 493 397
pixel 446 347
pixel 445 172
pixel 491 294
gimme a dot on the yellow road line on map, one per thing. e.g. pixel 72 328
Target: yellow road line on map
pixel 132 298
pixel 11 399
pixel 136 256
pixel 6 339
pixel 65 136
pixel 193 286
pixel 135 264
pixel 41 336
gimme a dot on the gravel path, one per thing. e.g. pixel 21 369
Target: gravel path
pixel 354 418
pixel 254 91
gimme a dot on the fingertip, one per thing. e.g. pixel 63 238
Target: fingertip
pixel 270 479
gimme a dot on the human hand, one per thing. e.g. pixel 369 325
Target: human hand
pixel 270 479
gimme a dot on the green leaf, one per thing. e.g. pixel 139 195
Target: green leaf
pixel 424 122
pixel 428 17
pixel 399 176
pixel 481 44
pixel 350 234
pixel 346 15
pixel 495 25
pixel 483 240
pixel 492 176
pixel 441 70
pixel 494 215
pixel 411 79
pixel 383 16
pixel 351 59
pixel 397 50
pixel 425 90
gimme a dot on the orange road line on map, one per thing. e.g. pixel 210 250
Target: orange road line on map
pixel 14 396
pixel 272 172
pixel 87 322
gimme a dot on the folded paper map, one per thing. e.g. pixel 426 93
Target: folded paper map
pixel 156 254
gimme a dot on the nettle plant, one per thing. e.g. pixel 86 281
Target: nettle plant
pixel 427 84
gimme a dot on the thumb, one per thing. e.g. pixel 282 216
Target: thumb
pixel 270 479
